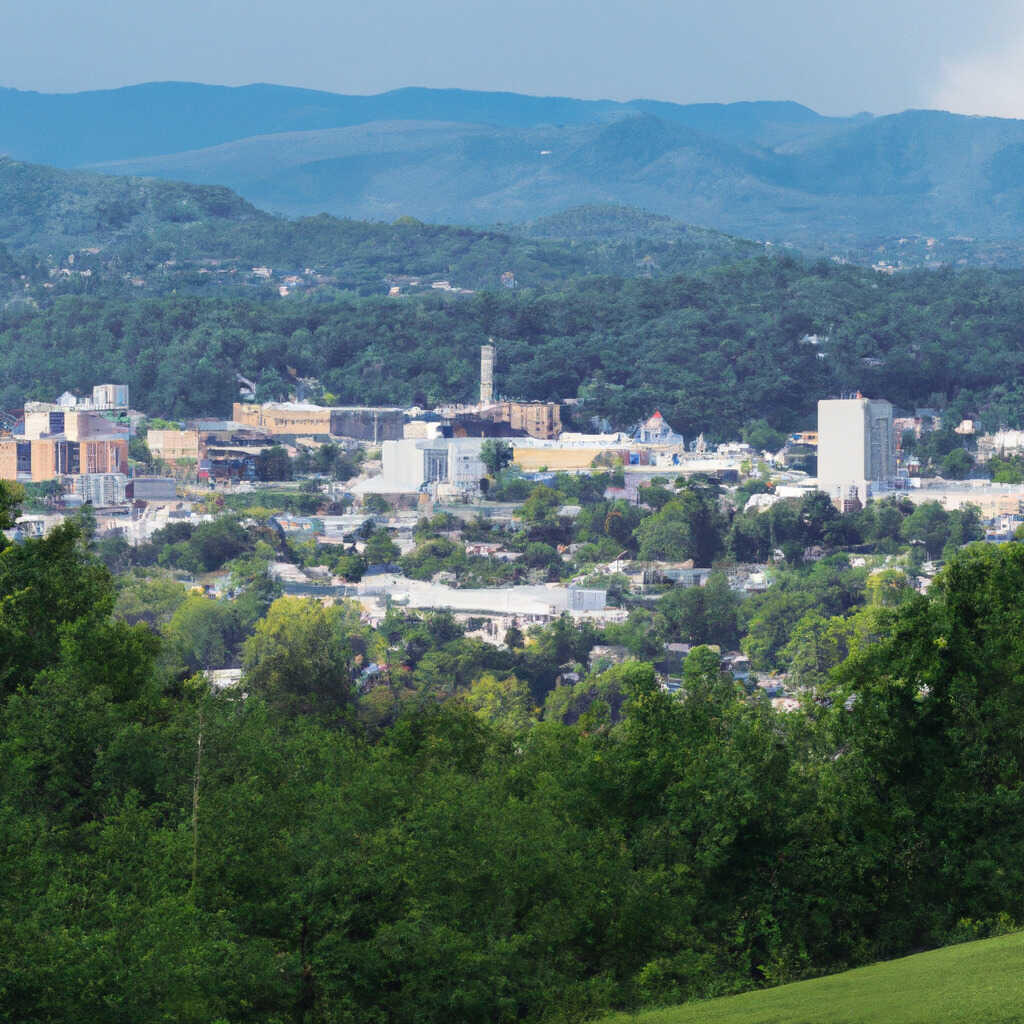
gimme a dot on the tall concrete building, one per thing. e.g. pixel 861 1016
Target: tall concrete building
pixel 487 373
pixel 856 448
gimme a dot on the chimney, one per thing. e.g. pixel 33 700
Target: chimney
pixel 487 373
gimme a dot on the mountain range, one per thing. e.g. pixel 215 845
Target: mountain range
pixel 768 170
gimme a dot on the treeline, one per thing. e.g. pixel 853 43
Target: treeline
pixel 172 853
pixel 764 339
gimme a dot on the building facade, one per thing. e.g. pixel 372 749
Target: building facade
pixel 48 458
pixel 856 448
pixel 294 419
pixel 173 445
pixel 412 464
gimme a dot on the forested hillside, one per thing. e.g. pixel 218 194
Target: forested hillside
pixel 169 235
pixel 280 852
pixel 762 339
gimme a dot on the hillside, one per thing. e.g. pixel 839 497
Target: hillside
pixel 174 235
pixel 714 351
pixel 926 186
pixel 974 983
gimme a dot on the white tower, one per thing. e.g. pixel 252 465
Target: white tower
pixel 487 373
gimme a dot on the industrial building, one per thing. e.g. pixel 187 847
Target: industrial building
pixel 302 419
pixel 531 419
pixel 412 464
pixel 856 448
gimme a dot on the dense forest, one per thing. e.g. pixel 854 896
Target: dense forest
pixel 284 853
pixel 175 236
pixel 761 339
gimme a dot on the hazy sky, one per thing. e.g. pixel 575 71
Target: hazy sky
pixel 878 55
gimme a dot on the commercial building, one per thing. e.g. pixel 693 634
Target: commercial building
pixel 45 419
pixel 412 464
pixel 856 448
pixel 151 488
pixel 48 458
pixel 367 423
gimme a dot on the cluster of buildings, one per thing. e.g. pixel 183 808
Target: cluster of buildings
pixel 82 442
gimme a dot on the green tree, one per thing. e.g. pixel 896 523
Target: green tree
pixel 689 526
pixel 152 599
pixel 503 702
pixel 957 465
pixel 202 633
pixel 928 525
pixel 45 585
pixel 274 463
pixel 380 548
pixel 299 658
pixel 495 454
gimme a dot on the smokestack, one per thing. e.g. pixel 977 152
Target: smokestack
pixel 487 373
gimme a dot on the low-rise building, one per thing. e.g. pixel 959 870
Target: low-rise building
pixel 101 489
pixel 174 446
pixel 294 419
pixel 412 465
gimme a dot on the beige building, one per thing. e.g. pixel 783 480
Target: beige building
pixel 284 417
pixel 992 500
pixel 537 419
pixel 555 458
pixel 42 459
pixel 173 445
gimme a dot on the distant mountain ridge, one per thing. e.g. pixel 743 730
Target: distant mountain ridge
pixel 158 118
pixel 774 171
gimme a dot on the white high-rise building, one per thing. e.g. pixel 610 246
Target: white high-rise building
pixel 856 448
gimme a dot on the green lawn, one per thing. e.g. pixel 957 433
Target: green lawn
pixel 974 983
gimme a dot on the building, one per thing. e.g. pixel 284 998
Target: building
pixel 656 430
pixel 542 420
pixel 151 488
pixel 856 448
pixel 46 420
pixel 297 419
pixel 412 464
pixel 284 418
pixel 174 445
pixel 101 489
pixel 48 458
pixel 368 423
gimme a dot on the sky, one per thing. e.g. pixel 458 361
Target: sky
pixel 874 55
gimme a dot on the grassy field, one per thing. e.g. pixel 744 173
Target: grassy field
pixel 974 983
